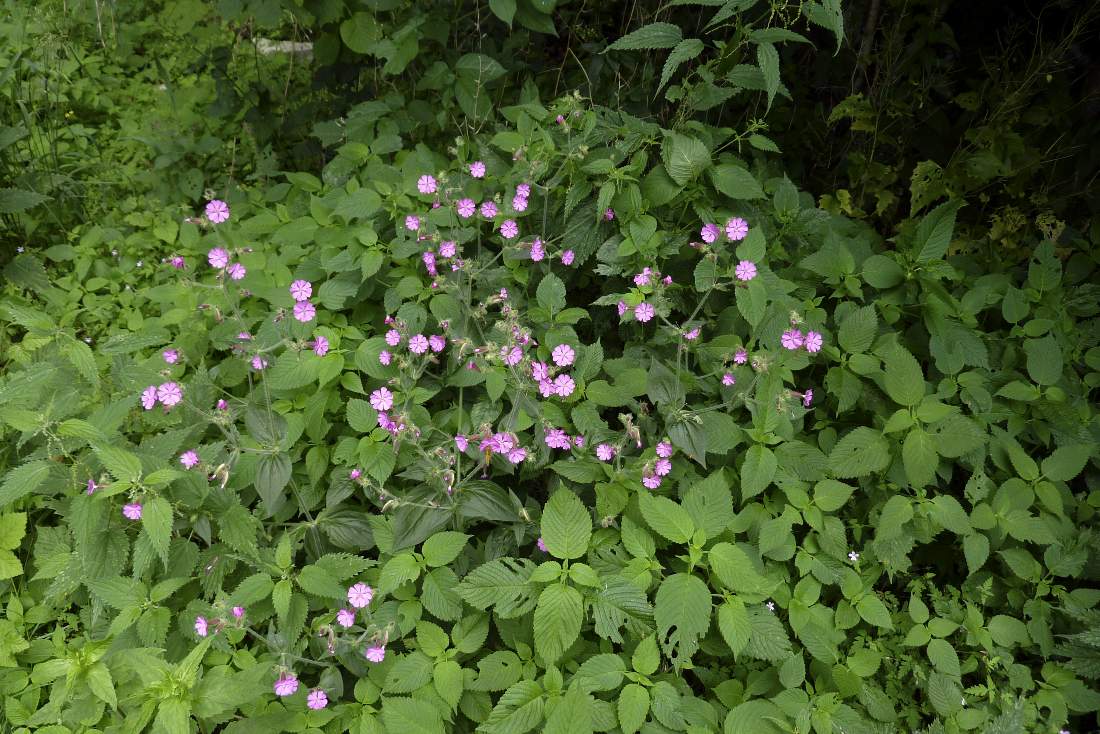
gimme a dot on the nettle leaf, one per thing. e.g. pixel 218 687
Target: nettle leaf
pixel 736 183
pixel 557 623
pixel 682 613
pixel 648 37
pixel 934 232
pixel 666 517
pixel 503 584
pixel 551 293
pixel 566 526
pixel 767 58
pixel 685 50
pixel 1067 462
pixel 857 331
pixel 735 570
pixel 442 548
pixel 618 603
pixel 757 471
pixel 863 451
pixel 684 157
pixel 156 523
pixel 903 377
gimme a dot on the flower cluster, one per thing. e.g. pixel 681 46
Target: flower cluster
pixel 167 394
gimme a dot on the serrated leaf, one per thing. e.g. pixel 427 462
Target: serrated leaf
pixel 682 613
pixel 557 622
pixel 863 451
pixel 903 378
pixel 758 471
pixel 685 50
pixel 735 182
pixel 652 36
pixel 767 58
pixel 666 517
pixel 156 523
pixel 934 232
pixel 503 584
pixel 857 331
pixel 566 526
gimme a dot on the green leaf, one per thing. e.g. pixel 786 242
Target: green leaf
pixel 919 457
pixel 1063 465
pixel 976 551
pixel 752 301
pixel 14 201
pixel 551 293
pixel 557 622
pixel 830 495
pixel 666 517
pixel 735 182
pixel 411 716
pixel 1044 360
pixel 444 547
pixel 173 717
pixel 13 527
pixel 618 603
pixel 872 610
pixel 767 57
pixel 272 475
pixel 654 35
pixel 506 11
pixel 122 464
pixel 408 673
pixel 566 526
pixel 684 157
pixel 685 50
pixel 943 657
pixel 22 480
pixel 682 613
pixel 882 272
pixel 572 715
pixel 934 232
pixel 897 511
pixel 863 451
pixel 857 331
pixel 903 378
pixel 101 684
pixel 735 570
pixel 758 471
pixel 503 583
pixel 632 707
pixel 733 623
pixel 156 523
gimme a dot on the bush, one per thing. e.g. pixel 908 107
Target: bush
pixel 576 422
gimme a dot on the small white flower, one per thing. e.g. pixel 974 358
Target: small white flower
pixel 19 249
pixel 853 556
pixel 138 263
pixel 771 606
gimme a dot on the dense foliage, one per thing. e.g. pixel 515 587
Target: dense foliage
pixel 371 366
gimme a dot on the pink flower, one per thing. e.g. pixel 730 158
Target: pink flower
pixel 567 257
pixel 201 628
pixel 517 455
pixel 709 233
pixel 807 398
pixel 222 405
pixel 132 511
pixel 557 439
pixel 662 467
pixel 643 278
pixel 217 211
pixel 237 271
pixel 560 119
pixel 564 386
pixel 477 169
pixel 523 189
pixel 538 252
pixel 813 342
pixel 418 344
pixel 345 618
pixel 540 371
pixel 317 699
pixel 320 346
pixel 541 544
pixel 304 311
pixel 667 280
pixel 244 336
pixel 218 257
pixel 644 312
pixel 791 339
pixel 651 481
pixel 605 452
pixel 621 308
pixel 287 685
pixel 736 229
pixel 171 356
pixel 412 222
pixel 728 379
pixel 692 334
pixel 385 357
pixel 238 612
pixel 488 209
pixel 92 486
pixel 509 229
pixel 426 184
pixel 437 342
pixel 376 654
pixel 381 399
pixel 578 441
pixel 609 214
pixel 546 388
pixel 301 290
pixel 189 459
pixel 466 208
pixel 563 355
pixel 740 356
pixel 447 248
pixel 149 397
pixel 519 203
pixel 360 595
pixel 169 394
pixel 177 262
pixel 745 270
pixel 393 337
pixel 429 262
pixel 259 363
pixel 664 449
pixel 512 356
pixel 461 442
